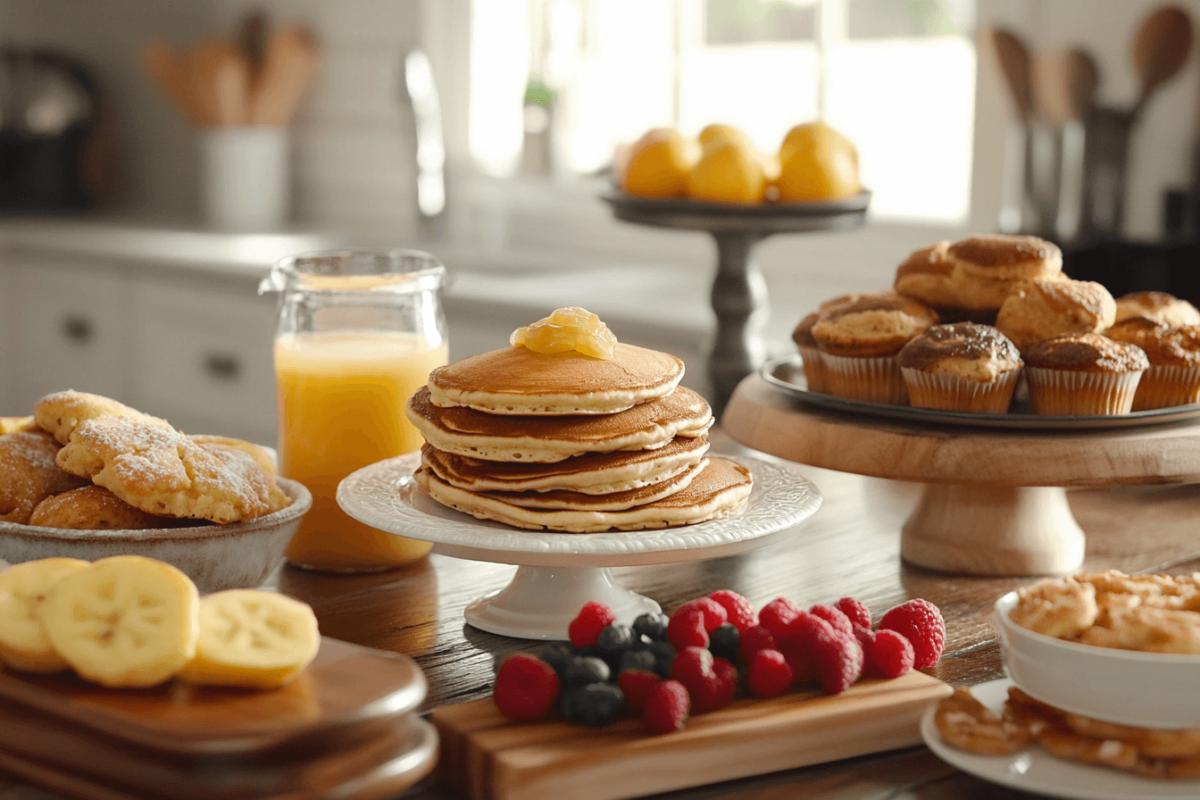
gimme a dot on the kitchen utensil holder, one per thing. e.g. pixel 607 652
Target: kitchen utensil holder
pixel 245 177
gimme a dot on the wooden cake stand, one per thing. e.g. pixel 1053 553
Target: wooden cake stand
pixel 739 292
pixel 994 500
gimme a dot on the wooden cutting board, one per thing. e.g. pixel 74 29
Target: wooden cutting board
pixel 345 687
pixel 490 758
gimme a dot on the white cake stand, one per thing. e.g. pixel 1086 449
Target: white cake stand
pixel 559 572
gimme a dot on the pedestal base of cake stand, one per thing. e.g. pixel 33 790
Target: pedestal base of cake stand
pixel 993 530
pixel 540 602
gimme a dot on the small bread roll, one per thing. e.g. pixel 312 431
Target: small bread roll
pixel 1038 310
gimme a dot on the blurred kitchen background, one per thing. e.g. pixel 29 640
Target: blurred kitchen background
pixel 482 131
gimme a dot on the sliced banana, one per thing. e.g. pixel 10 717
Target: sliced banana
pixel 23 640
pixel 124 621
pixel 253 639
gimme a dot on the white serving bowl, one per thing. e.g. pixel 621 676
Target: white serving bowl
pixel 236 555
pixel 1146 690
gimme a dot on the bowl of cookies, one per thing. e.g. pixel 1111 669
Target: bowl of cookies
pixel 88 477
pixel 1119 648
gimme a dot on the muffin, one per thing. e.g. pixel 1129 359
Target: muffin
pixel 961 367
pixel 1158 306
pixel 858 342
pixel 1173 378
pixel 986 267
pixel 814 369
pixel 1083 375
pixel 1039 309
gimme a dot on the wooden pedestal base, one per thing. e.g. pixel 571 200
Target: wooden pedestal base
pixel 993 530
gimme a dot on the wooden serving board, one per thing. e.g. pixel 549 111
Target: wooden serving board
pixel 491 758
pixel 346 686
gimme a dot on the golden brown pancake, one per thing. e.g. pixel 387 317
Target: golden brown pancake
pixel 616 501
pixel 546 439
pixel 594 473
pixel 720 489
pixel 517 380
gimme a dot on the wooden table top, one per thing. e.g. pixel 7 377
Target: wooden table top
pixel 850 547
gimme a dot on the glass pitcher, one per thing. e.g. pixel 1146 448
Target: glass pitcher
pixel 358 333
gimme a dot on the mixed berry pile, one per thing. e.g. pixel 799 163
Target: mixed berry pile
pixel 709 651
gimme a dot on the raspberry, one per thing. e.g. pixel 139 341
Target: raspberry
pixel 754 639
pixel 667 707
pixel 776 615
pixel 526 687
pixel 686 629
pixel 712 611
pixel 921 623
pixel 769 673
pixel 892 655
pixel 837 620
pixel 839 661
pixel 724 642
pixel 798 643
pixel 592 618
pixel 738 611
pixel 637 685
pixel 855 610
pixel 711 682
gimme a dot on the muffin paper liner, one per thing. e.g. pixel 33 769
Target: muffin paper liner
pixel 1067 393
pixel 1163 386
pixel 814 369
pixel 874 380
pixel 948 392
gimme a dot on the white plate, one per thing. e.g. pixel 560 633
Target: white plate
pixel 385 496
pixel 1035 770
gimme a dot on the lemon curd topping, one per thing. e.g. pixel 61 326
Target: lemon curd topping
pixel 565 330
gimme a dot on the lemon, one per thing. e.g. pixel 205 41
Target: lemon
pixel 728 173
pixel 659 163
pixel 815 134
pixel 719 132
pixel 824 168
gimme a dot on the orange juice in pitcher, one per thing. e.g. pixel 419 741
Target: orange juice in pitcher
pixel 358 333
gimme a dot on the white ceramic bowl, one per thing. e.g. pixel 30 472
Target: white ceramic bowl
pixel 1148 690
pixel 232 556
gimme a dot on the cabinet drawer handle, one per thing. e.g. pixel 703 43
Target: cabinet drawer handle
pixel 223 366
pixel 79 330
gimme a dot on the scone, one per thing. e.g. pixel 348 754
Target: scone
pixel 858 342
pixel 1173 378
pixel 961 367
pixel 986 267
pixel 164 472
pixel 94 508
pixel 927 277
pixel 1083 375
pixel 29 474
pixel 814 369
pixel 60 413
pixel 1039 309
pixel 1158 306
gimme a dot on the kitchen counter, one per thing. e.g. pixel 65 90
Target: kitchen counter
pixel 850 547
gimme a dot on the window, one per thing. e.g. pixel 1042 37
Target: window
pixel 558 84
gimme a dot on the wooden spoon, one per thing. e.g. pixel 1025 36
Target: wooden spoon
pixel 1016 66
pixel 1160 49
pixel 172 74
pixel 291 60
pixel 219 78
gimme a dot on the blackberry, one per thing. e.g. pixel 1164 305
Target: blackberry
pixel 586 670
pixel 642 660
pixel 651 627
pixel 594 704
pixel 558 655
pixel 663 654
pixel 613 641
pixel 723 642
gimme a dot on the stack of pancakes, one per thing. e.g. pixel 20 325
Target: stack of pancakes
pixel 567 442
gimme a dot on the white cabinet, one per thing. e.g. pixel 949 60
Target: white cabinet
pixel 68 329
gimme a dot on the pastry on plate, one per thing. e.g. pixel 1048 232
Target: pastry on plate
pixel 1040 309
pixel 1083 375
pixel 961 367
pixel 986 267
pixel 1173 378
pixel 1158 306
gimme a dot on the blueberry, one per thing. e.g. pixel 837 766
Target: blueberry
pixel 586 670
pixel 638 659
pixel 651 626
pixel 663 654
pixel 594 704
pixel 613 641
pixel 558 655
pixel 723 642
